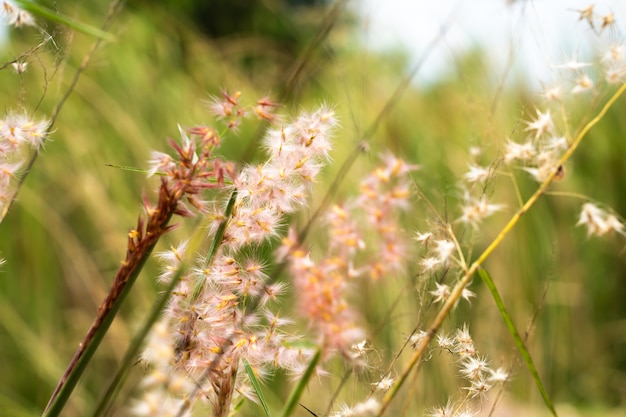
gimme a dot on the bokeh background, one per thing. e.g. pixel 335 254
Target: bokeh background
pixel 65 236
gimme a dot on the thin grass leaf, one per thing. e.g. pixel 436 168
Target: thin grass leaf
pixel 237 407
pixel 257 387
pixel 56 407
pixel 145 171
pixel 46 13
pixel 484 275
pixel 293 399
pixel 132 169
pixel 133 350
pixel 217 241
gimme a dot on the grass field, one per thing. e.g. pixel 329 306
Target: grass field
pixel 64 238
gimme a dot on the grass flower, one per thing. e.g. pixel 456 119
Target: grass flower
pixel 228 108
pixel 417 338
pixel 8 172
pixel 14 16
pixel 541 125
pixel 498 375
pixel 598 222
pixel 466 294
pixel 384 384
pixel 383 194
pixel 587 15
pixel 615 54
pixel 444 249
pixel 519 152
pixel 614 61
pixel 553 93
pixel 19 130
pixel 463 343
pixel 430 263
pixel 583 84
pixel 442 293
pixel 478 388
pixel 207 311
pixel 607 21
pixel 423 238
pixel 475 210
pixel 265 110
pixel 615 75
pixel 368 408
pixel 473 368
pixel 323 290
pixel 556 143
pixel 19 67
pixel 477 174
pixel 344 231
pixel 445 342
pixel 19 135
pixel 443 411
pixel 573 64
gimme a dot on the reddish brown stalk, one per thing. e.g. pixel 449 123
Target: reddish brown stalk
pixel 189 177
pixel 140 243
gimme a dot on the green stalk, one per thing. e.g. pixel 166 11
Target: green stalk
pixel 257 387
pixel 219 234
pixel 133 349
pixel 484 275
pixel 293 399
pixel 54 409
pixel 56 17
pixel 217 241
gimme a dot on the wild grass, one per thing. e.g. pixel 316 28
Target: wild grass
pixel 63 238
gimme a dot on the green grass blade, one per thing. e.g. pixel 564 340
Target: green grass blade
pixel 293 399
pixel 217 241
pixel 46 13
pixel 484 275
pixel 132 169
pixel 257 387
pixel 66 390
pixel 133 350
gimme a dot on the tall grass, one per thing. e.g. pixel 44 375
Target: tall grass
pixel 63 238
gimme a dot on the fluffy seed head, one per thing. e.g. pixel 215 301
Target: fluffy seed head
pixel 598 222
pixel 541 125
pixel 474 211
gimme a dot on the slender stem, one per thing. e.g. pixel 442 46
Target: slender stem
pixel 297 392
pixel 131 353
pixel 456 292
pixel 140 245
pixel 217 242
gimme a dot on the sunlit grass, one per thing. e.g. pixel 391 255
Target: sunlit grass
pixel 64 237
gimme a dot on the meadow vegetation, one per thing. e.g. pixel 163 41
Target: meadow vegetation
pixel 328 212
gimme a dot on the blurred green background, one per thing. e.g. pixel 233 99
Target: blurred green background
pixel 64 237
